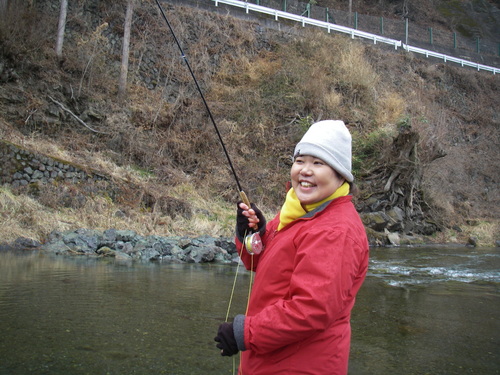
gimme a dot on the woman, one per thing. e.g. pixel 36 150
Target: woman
pixel 314 261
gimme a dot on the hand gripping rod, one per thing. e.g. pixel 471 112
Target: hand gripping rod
pixel 243 196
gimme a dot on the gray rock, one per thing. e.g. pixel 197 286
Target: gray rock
pixel 472 241
pixel 375 220
pixel 126 235
pixel 396 219
pixel 393 238
pixel 26 243
pixel 126 244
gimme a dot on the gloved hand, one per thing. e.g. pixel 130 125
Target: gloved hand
pixel 226 341
pixel 242 222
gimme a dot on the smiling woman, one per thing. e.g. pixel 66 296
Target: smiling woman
pixel 313 179
pixel 322 162
pixel 314 261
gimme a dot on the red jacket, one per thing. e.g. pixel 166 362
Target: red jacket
pixel 306 280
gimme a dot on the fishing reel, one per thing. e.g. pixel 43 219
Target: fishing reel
pixel 253 243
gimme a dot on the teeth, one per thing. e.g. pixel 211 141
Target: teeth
pixel 306 184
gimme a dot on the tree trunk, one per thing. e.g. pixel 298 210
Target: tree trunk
pixel 122 84
pixel 3 9
pixel 61 28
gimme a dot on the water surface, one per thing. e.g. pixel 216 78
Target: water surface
pixel 420 311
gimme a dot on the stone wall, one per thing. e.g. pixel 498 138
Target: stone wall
pixel 21 167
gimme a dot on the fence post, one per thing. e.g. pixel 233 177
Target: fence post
pixel 381 25
pixel 406 30
pixel 356 20
pixel 455 40
pixel 430 36
pixel 328 16
pixel 477 45
pixel 284 5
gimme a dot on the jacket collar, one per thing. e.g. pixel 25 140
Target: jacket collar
pixel 322 207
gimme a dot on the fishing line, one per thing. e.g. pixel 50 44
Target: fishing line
pixel 242 193
pixel 234 286
pixel 231 301
pixel 232 294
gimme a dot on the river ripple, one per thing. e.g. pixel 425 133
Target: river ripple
pixel 420 311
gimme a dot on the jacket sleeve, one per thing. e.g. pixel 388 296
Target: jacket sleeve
pixel 328 270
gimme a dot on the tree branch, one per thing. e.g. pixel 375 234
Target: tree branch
pixel 75 116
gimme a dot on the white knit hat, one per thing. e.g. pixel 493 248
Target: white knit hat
pixel 329 141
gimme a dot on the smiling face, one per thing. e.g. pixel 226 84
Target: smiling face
pixel 313 180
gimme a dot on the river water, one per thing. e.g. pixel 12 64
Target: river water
pixel 420 311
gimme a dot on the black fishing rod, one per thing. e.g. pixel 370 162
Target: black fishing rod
pixel 242 193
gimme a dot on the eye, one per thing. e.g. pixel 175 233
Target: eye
pixel 319 162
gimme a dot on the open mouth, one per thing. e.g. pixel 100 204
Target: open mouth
pixel 306 184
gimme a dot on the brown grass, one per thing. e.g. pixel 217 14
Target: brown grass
pixel 264 90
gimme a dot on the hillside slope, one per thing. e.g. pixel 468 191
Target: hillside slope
pixel 468 18
pixel 426 135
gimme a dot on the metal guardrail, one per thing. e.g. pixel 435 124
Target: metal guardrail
pixel 447 58
pixel 353 33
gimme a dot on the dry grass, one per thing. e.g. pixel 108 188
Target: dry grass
pixel 391 109
pixel 24 216
pixel 263 99
pixel 483 232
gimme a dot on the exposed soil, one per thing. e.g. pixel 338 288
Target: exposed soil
pixel 440 162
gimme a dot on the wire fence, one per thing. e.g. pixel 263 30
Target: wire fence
pixel 416 35
pixel 431 42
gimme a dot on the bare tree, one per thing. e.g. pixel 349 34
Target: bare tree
pixel 3 8
pixel 61 28
pixel 6 6
pixel 122 84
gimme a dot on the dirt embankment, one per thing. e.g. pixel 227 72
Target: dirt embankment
pixel 426 134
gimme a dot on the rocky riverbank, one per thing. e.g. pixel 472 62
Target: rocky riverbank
pixel 128 245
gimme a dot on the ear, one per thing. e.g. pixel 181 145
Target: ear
pixel 342 178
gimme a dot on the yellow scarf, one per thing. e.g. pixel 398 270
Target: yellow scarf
pixel 292 209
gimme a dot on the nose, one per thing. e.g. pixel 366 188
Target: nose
pixel 306 170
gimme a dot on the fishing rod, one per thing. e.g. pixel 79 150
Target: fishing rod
pixel 252 242
pixel 243 196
